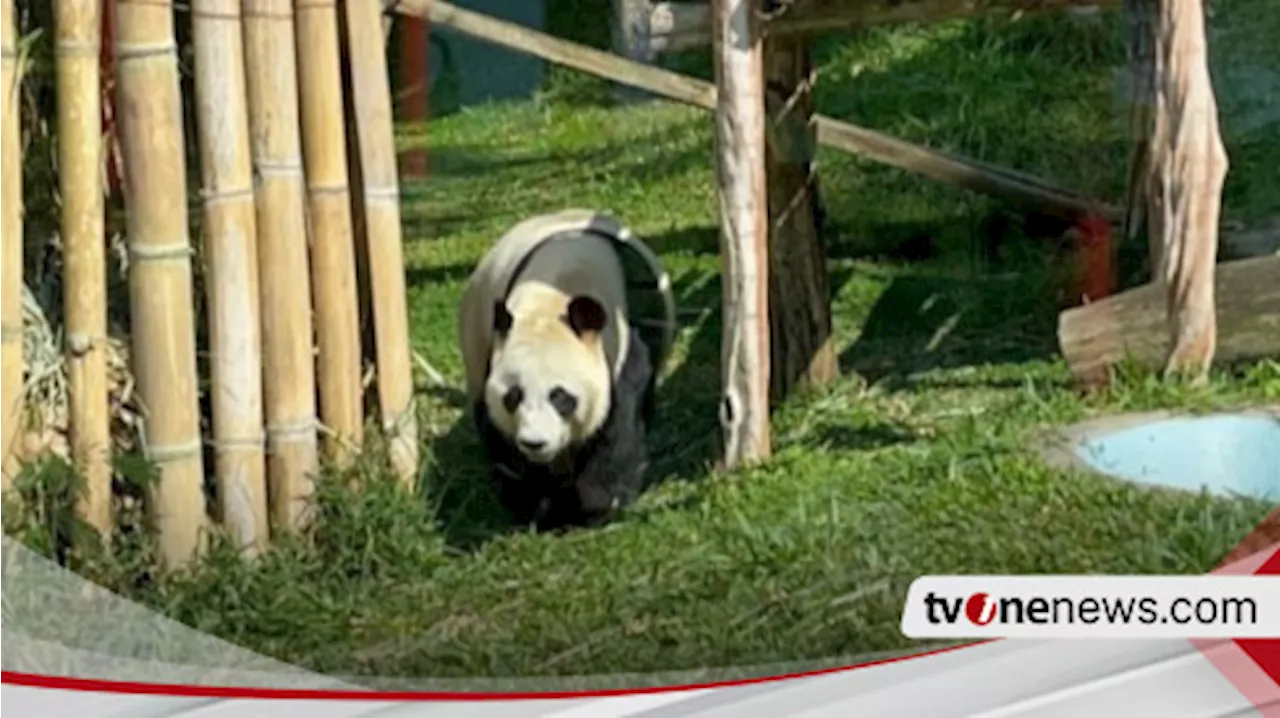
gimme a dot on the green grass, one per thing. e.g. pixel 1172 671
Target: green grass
pixel 919 460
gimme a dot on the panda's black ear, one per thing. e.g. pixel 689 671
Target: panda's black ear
pixel 586 315
pixel 501 317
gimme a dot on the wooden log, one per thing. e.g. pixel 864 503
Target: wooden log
pixel 288 348
pixel 13 414
pixel 1016 187
pixel 1179 171
pixel 684 25
pixel 380 193
pixel 803 348
pixel 1131 325
pixel 78 25
pixel 162 326
pixel 744 221
pixel 232 285
pixel 333 263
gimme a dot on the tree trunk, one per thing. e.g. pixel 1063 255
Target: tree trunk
pixel 1180 173
pixel 740 152
pixel 803 350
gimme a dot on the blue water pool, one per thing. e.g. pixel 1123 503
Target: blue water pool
pixel 1227 454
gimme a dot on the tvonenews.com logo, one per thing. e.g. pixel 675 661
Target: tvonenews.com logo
pixel 981 609
pixel 1093 606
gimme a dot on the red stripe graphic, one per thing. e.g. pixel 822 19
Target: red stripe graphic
pixel 1252 665
pixel 196 691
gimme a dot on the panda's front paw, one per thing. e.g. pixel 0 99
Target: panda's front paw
pixel 579 507
pixel 517 495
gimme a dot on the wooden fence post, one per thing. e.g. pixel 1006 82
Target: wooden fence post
pixel 803 349
pixel 744 209
pixel 414 81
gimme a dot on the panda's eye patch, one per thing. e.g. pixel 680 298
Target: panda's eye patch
pixel 512 398
pixel 563 401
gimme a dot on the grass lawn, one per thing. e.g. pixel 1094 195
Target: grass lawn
pixel 919 460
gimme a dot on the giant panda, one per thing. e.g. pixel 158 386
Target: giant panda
pixel 560 381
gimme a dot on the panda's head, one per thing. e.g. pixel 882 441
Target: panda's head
pixel 549 384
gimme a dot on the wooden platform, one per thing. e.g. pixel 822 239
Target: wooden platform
pixel 675 26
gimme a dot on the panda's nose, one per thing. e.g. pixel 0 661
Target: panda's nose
pixel 532 445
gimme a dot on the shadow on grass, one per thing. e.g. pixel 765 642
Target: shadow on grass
pixel 923 322
pixel 456 272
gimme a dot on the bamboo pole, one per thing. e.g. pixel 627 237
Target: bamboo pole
pixel 78 25
pixel 289 363
pixel 333 263
pixel 11 295
pixel 381 211
pixel 231 248
pixel 744 221
pixel 946 167
pixel 150 126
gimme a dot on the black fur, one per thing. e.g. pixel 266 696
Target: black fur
pixel 501 318
pixel 593 481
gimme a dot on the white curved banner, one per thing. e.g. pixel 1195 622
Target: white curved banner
pixel 74 649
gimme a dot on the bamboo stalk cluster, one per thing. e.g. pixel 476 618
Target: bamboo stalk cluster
pixel 280 246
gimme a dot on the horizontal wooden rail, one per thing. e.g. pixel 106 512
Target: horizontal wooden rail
pixel 956 170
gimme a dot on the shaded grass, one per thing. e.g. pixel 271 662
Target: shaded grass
pixel 920 460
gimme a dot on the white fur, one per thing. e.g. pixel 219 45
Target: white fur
pixel 541 351
pixel 489 282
